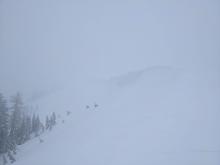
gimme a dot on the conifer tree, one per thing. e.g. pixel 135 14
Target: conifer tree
pixel 53 119
pixel 27 128
pixel 4 119
pixel 37 126
pixel 47 124
pixel 33 128
pixel 24 131
pixel 16 118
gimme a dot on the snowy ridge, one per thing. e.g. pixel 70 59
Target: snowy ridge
pixel 156 74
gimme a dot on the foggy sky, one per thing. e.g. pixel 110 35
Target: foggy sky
pixel 49 43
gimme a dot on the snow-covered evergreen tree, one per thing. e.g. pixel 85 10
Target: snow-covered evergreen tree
pixel 36 125
pixel 53 119
pixel 16 118
pixel 4 119
pixel 47 123
pixel 33 125
pixel 25 130
pixel 27 127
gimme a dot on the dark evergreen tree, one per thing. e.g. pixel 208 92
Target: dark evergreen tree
pixel 53 119
pixel 16 118
pixel 47 124
pixel 27 128
pixel 11 145
pixel 21 133
pixel 33 128
pixel 37 126
pixel 4 121
pixel 42 127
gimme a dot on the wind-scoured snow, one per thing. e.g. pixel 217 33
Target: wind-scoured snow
pixel 158 115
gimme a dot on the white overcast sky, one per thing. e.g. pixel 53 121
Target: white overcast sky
pixel 47 43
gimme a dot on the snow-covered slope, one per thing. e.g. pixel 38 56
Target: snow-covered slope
pixel 158 115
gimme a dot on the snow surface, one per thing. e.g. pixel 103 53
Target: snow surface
pixel 157 115
pixel 63 53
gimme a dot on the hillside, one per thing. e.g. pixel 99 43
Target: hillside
pixel 158 115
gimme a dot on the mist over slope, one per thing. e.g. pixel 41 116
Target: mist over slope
pixel 45 43
pixel 64 55
pixel 150 116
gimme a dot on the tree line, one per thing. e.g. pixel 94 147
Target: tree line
pixel 17 126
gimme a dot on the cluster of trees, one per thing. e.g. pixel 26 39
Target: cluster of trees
pixel 50 121
pixel 17 126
